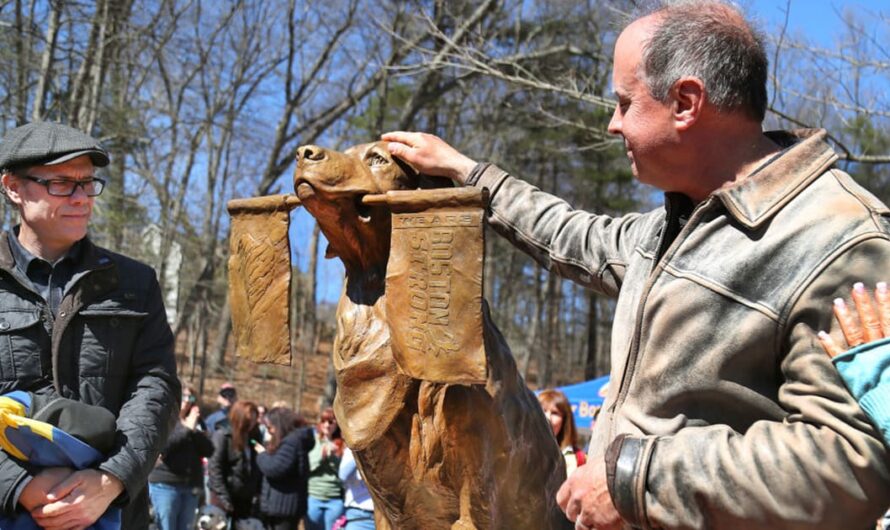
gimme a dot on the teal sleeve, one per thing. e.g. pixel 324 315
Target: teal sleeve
pixel 866 371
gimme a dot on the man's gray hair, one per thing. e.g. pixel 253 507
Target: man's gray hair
pixel 710 40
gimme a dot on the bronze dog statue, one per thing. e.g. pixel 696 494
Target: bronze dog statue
pixel 434 455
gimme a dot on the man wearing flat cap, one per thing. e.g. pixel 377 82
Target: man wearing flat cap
pixel 80 322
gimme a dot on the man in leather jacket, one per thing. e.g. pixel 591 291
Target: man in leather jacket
pixel 723 412
pixel 80 322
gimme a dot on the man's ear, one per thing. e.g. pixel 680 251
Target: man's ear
pixel 688 97
pixel 11 187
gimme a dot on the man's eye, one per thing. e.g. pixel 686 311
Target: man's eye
pixel 375 159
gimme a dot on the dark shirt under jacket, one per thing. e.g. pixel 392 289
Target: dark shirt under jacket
pixel 49 280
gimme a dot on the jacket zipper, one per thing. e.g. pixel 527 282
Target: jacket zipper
pixel 630 364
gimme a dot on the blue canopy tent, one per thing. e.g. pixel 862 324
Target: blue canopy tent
pixel 586 398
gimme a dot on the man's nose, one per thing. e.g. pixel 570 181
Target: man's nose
pixel 615 122
pixel 310 152
pixel 80 194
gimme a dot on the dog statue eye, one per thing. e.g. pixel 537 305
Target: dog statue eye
pixel 375 159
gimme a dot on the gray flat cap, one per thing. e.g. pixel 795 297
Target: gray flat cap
pixel 44 143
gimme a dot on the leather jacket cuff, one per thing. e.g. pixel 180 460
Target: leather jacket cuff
pixel 627 461
pixel 474 175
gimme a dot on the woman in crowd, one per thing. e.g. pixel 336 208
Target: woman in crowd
pixel 325 490
pixel 284 464
pixel 234 477
pixel 177 479
pixel 359 513
pixel 559 413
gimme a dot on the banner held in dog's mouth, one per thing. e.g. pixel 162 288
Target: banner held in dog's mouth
pixel 434 284
pixel 260 277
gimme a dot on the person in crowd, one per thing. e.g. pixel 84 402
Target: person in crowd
pixel 234 478
pixel 284 464
pixel 722 411
pixel 558 411
pixel 227 397
pixel 359 506
pixel 78 322
pixel 176 481
pixel 264 431
pixel 325 504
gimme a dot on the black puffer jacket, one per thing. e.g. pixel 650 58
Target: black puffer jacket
pixel 110 345
pixel 234 478
pixel 286 475
pixel 180 461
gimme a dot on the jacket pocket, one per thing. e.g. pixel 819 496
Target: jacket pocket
pixel 23 344
pixel 109 339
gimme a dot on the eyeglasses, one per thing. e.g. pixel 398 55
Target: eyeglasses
pixel 65 187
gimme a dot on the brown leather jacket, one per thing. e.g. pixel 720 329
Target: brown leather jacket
pixel 723 411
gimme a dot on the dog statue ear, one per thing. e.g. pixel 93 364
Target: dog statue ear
pixel 423 182
pixel 429 182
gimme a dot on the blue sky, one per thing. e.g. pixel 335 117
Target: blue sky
pixel 817 21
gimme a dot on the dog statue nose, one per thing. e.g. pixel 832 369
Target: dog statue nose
pixel 310 152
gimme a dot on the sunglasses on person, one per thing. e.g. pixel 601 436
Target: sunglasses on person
pixel 65 187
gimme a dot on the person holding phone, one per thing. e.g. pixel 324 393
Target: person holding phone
pixel 176 481
pixel 284 463
pixel 234 475
pixel 325 504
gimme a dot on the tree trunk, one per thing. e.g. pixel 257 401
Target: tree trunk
pixel 21 96
pixel 46 61
pixel 310 304
pixel 550 346
pixel 330 387
pixel 223 330
pixel 593 324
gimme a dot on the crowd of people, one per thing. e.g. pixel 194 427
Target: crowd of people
pixel 271 467
pixel 267 467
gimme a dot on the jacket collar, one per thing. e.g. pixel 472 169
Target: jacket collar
pixel 93 257
pixel 757 198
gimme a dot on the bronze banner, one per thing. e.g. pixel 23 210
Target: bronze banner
pixel 260 277
pixel 434 284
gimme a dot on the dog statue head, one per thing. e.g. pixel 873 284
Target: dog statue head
pixel 331 186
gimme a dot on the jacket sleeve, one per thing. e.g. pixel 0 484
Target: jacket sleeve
pixel 12 473
pixel 592 250
pixel 347 466
pixel 179 436
pixel 203 444
pixel 217 469
pixel 146 418
pixel 284 461
pixel 821 466
pixel 307 442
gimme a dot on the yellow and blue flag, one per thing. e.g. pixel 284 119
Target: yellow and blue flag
pixel 44 445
